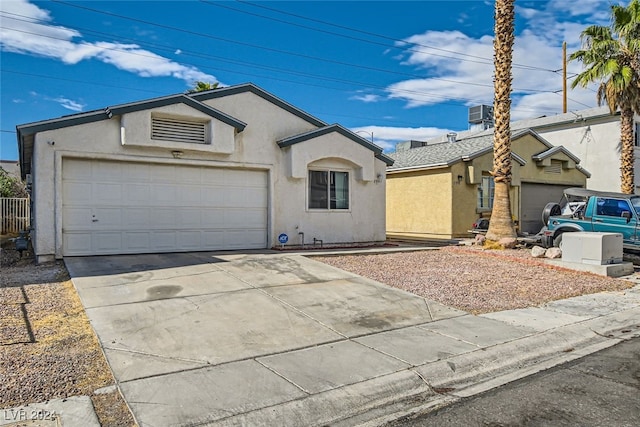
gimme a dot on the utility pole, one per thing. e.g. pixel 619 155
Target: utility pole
pixel 564 77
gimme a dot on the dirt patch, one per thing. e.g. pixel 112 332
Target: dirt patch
pixel 47 347
pixel 476 280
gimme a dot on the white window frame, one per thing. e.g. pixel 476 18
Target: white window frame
pixel 487 185
pixel 328 208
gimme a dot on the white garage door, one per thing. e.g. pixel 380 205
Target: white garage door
pixel 124 207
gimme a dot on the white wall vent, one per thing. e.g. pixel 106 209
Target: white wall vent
pixel 178 130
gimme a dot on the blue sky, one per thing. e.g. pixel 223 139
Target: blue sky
pixel 397 70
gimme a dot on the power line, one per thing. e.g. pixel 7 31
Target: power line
pixel 484 59
pixel 278 50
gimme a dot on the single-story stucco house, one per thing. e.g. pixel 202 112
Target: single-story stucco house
pixel 592 134
pixel 229 168
pixel 438 190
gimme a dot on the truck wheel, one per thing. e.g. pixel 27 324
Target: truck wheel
pixel 557 241
pixel 551 209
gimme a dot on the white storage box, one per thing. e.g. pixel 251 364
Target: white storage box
pixel 592 248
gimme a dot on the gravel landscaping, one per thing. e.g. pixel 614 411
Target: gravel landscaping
pixel 47 347
pixel 474 279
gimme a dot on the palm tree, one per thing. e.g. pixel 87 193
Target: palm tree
pixel 501 225
pixel 610 55
pixel 626 23
pixel 203 86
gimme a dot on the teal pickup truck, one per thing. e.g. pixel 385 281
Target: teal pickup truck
pixel 588 210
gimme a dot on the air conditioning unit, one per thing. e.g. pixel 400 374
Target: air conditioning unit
pixel 480 113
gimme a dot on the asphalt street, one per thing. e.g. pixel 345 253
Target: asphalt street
pixel 602 389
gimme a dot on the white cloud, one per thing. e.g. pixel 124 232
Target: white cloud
pixel 388 137
pixel 467 77
pixel 69 104
pixel 41 38
pixel 368 97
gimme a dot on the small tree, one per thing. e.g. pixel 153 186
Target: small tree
pixel 203 86
pixel 11 186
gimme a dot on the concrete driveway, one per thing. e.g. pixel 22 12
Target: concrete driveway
pixel 197 338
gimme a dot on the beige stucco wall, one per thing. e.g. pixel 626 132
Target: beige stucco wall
pixel 451 193
pixel 254 148
pixel 533 171
pixel 419 204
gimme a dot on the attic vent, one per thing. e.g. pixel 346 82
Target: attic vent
pixel 555 167
pixel 178 130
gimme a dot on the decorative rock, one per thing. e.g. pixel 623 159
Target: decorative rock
pixel 480 238
pixel 538 252
pixel 508 242
pixel 553 253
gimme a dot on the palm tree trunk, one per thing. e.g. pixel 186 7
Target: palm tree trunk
pixel 627 184
pixel 501 225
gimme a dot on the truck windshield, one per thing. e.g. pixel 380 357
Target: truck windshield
pixel 635 201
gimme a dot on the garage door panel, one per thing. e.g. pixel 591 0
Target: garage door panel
pixel 77 218
pixel 138 194
pixel 138 241
pixel 189 240
pixel 106 171
pixel 77 242
pixel 238 218
pixel 107 193
pixel 105 242
pixel 163 173
pixel 189 218
pixel 77 192
pixel 161 208
pixel 164 217
pixel 164 240
pixel 82 170
pixel 136 218
pixel 108 217
pixel 534 198
pixel 163 195
pixel 189 195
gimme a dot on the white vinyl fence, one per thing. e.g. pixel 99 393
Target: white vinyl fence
pixel 15 215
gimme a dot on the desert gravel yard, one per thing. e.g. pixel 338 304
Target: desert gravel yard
pixel 474 279
pixel 47 347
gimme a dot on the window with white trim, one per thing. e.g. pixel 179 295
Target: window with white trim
pixel 486 192
pixel 328 189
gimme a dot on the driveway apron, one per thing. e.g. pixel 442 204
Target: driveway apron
pixel 199 337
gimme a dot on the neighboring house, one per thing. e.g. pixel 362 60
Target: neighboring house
pixel 11 166
pixel 438 190
pixel 230 168
pixel 593 135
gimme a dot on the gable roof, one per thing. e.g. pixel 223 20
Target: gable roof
pixel 287 142
pixel 580 116
pixel 445 154
pixel 250 87
pixel 25 133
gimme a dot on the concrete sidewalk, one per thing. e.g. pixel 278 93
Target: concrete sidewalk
pixel 280 339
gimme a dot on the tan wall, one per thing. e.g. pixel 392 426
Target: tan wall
pixel 419 204
pixel 533 171
pixel 465 199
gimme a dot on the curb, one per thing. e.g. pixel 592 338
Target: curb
pixel 428 387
